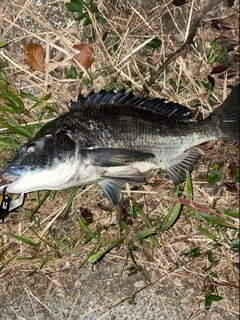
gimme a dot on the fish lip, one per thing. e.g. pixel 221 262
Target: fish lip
pixel 14 173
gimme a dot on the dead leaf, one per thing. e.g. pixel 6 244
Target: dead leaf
pixel 221 25
pixel 230 186
pixel 34 55
pixel 211 80
pixel 85 56
pixel 236 57
pixel 221 68
pixel 230 73
pixel 227 42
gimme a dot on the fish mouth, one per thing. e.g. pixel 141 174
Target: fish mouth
pixel 10 178
pixel 13 171
pixel 13 175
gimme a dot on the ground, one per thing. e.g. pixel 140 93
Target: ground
pixel 45 268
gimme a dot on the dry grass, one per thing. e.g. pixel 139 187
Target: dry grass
pixel 132 64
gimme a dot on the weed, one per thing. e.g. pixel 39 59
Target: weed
pixel 82 10
pixel 12 105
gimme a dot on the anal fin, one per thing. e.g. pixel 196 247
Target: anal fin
pixel 183 164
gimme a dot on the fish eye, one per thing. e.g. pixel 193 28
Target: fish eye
pixel 31 148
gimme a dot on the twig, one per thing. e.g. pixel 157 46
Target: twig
pixel 182 51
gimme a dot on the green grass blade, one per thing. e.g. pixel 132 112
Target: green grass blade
pixel 232 214
pixel 171 220
pixel 24 258
pixel 130 248
pixel 189 186
pixel 22 239
pixel 96 244
pixel 144 217
pixel 84 226
pixel 66 247
pixel 42 263
pixel 146 233
pixel 101 253
pixel 206 233
pixel 147 221
pixel 40 202
pixel 217 220
pixel 18 130
pixel 40 238
pixel 70 200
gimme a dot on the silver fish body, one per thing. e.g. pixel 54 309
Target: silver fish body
pixel 111 138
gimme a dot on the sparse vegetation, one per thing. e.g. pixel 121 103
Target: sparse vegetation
pixel 195 221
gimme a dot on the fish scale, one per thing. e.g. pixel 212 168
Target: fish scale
pixel 117 127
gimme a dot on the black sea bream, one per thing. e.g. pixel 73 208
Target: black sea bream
pixel 111 138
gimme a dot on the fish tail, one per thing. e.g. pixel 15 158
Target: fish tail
pixel 226 117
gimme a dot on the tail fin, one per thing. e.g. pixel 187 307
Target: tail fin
pixel 227 116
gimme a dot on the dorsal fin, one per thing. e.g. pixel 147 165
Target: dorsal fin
pixel 121 99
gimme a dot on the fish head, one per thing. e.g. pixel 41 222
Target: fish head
pixel 45 163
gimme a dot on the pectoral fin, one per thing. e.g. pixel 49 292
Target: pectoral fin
pixel 112 184
pixel 183 164
pixel 111 157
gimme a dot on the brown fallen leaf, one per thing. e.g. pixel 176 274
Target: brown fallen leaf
pixel 221 68
pixel 85 56
pixel 34 55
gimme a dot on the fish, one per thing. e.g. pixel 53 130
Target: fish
pixel 112 138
